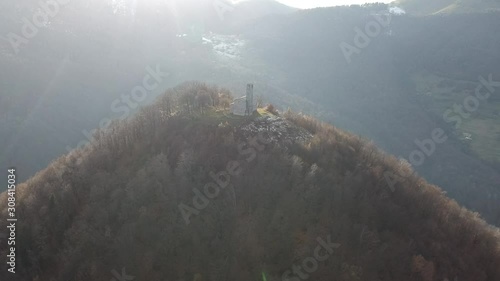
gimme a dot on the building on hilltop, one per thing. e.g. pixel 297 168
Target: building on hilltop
pixel 244 106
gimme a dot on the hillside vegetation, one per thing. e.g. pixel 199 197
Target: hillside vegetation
pixel 434 7
pixel 186 191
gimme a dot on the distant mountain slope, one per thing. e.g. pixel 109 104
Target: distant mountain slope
pixel 254 9
pixel 380 93
pixel 91 54
pixel 185 191
pixel 429 7
pixel 258 8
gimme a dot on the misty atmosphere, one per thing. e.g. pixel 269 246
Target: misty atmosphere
pixel 200 140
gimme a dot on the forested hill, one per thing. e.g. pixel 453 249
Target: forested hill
pixel 186 191
pixel 417 68
pixel 433 7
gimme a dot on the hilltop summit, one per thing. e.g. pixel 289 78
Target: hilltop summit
pixel 186 191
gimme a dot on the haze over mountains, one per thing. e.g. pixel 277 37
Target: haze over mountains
pixel 396 74
pixel 408 76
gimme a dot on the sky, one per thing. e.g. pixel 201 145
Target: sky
pixel 305 4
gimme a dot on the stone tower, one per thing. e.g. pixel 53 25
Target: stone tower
pixel 249 100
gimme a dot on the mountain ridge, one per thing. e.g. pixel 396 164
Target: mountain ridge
pixel 443 7
pixel 116 203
